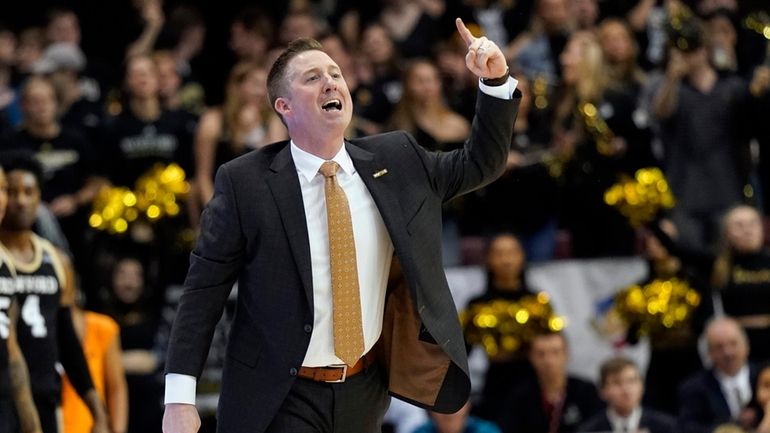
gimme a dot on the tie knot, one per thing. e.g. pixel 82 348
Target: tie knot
pixel 329 168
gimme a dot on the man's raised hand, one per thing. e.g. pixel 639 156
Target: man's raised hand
pixel 484 58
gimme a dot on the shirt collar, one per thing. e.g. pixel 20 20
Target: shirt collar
pixel 631 422
pixel 739 379
pixel 308 164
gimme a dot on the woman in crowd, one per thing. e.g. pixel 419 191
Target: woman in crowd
pixel 595 160
pixel 620 49
pixel 244 122
pixel 505 281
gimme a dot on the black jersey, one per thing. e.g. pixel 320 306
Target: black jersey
pixel 38 290
pixel 7 291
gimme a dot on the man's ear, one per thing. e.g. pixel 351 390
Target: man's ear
pixel 282 107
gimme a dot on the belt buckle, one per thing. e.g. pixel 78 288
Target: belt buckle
pixel 344 373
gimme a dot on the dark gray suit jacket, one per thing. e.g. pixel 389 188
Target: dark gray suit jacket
pixel 254 231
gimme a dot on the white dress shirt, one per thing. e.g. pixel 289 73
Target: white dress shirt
pixel 373 263
pixel 621 424
pixel 736 389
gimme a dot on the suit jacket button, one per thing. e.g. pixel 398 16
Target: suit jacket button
pixel 308 328
pixel 293 372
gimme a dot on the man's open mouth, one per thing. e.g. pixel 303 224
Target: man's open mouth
pixel 332 104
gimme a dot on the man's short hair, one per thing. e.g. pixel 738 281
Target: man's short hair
pixel 24 161
pixel 614 366
pixel 277 76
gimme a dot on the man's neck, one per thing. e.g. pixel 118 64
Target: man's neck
pixel 45 131
pixel 324 148
pixel 147 109
pixel 18 243
pixel 69 96
pixel 553 388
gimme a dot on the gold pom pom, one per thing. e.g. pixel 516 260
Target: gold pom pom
pixel 658 306
pixel 641 198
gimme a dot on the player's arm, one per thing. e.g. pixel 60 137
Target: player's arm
pixel 29 422
pixel 71 351
pixel 116 389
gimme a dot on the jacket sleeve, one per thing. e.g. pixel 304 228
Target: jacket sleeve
pixel 215 264
pixel 482 158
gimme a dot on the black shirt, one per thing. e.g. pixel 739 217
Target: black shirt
pixel 134 146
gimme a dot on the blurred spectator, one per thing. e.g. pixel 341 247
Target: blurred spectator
pixel 555 402
pixel 187 30
pixel 9 112
pixel 460 85
pixel 720 394
pixel 702 116
pixel 723 37
pixel 63 63
pixel 100 337
pixel 674 353
pixel 244 122
pixel 762 397
pixel 251 35
pixel 174 93
pixel 622 390
pixel 620 51
pixel 458 422
pixel 380 85
pixel 502 20
pixel 298 24
pixel 760 84
pixel 585 13
pixel 537 51
pixel 527 183
pixel 412 25
pixel 64 28
pixel 595 160
pixel 742 276
pixel 28 51
pixel 142 358
pixel 71 179
pixel 505 281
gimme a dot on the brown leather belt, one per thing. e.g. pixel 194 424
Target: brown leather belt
pixel 336 373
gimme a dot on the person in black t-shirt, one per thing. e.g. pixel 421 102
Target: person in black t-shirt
pixel 144 134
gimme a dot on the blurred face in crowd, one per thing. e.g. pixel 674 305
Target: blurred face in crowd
pixel 23 200
pixel 30 48
pixel 7 47
pixel 128 280
pixel 247 44
pixel 422 82
pixel 554 15
pixel 763 387
pixel 39 102
pixel 505 258
pixel 453 422
pixel 586 12
pixel 298 25
pixel 623 390
pixel 316 95
pixel 253 87
pixel 727 346
pixel 168 79
pixel 743 229
pixel 548 356
pixel 377 45
pixel 142 78
pixel 616 41
pixel 334 47
pixel 722 32
pixel 64 28
pixel 570 60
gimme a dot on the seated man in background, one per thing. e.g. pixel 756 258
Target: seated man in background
pixel 555 402
pixel 722 393
pixel 622 389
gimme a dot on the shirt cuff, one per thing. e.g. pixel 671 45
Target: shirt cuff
pixel 504 91
pixel 180 388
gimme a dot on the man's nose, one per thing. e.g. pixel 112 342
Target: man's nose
pixel 330 84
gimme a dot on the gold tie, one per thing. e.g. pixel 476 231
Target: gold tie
pixel 348 334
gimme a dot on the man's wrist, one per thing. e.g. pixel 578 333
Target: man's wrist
pixel 499 81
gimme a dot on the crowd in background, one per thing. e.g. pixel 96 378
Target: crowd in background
pixel 681 85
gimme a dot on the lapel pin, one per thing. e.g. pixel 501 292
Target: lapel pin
pixel 380 173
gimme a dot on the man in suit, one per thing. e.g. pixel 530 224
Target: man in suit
pixel 279 225
pixel 622 389
pixel 554 402
pixel 722 393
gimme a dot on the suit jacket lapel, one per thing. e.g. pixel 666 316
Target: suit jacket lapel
pixel 284 185
pixel 719 398
pixel 382 191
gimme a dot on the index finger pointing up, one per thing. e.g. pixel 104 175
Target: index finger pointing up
pixel 464 32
